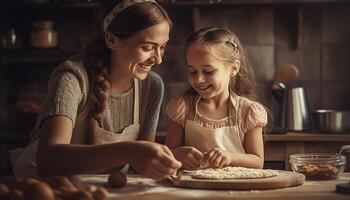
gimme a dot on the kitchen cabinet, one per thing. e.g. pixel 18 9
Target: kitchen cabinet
pixel 280 147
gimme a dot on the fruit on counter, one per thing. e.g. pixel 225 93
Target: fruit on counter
pixel 117 179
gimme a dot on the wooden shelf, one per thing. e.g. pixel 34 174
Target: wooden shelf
pixel 306 136
pixel 36 56
pixel 55 5
pixel 243 2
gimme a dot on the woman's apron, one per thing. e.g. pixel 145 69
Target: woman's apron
pixel 24 160
pixel 227 138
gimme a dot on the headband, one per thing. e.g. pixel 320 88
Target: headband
pixel 120 7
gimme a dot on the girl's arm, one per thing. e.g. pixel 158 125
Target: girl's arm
pixel 190 157
pixel 254 147
pixel 175 135
pixel 56 156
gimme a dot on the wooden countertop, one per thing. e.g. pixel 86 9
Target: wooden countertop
pixel 144 188
pixel 148 189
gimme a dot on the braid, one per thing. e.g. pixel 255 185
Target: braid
pixel 97 63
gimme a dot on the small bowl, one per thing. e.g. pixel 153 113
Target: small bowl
pixel 318 166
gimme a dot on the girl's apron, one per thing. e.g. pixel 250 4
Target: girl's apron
pixel 204 139
pixel 24 160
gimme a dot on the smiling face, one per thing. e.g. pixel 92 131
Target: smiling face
pixel 208 75
pixel 136 55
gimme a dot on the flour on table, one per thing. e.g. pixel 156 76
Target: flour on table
pixel 232 173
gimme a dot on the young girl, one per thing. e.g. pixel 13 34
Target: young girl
pixel 100 105
pixel 217 121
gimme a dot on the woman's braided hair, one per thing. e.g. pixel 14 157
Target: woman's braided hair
pixel 97 60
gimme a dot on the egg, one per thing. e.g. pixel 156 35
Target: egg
pixel 117 179
pixel 38 191
pixel 4 190
pixel 63 181
pixel 100 193
pixel 15 194
pixel 79 195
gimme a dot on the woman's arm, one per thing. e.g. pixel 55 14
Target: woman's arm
pixel 56 156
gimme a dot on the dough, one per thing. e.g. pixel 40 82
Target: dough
pixel 232 173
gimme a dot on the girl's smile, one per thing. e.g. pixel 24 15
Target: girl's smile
pixel 208 75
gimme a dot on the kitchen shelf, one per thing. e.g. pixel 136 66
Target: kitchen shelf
pixel 55 5
pixel 242 2
pixel 36 56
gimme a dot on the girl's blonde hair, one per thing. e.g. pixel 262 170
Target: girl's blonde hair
pixel 97 60
pixel 225 45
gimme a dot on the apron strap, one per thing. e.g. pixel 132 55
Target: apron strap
pixel 192 112
pixel 136 102
pixel 232 112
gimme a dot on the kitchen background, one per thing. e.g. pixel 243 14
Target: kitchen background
pixel 313 35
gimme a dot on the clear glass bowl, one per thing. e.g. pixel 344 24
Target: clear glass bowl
pixel 318 166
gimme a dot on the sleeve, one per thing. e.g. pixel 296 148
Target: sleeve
pixel 154 92
pixel 176 110
pixel 64 94
pixel 256 116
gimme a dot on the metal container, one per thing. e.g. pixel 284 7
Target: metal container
pixel 295 110
pixel 331 121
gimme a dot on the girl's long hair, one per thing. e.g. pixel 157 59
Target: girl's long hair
pixel 97 59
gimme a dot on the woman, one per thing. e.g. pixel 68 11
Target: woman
pixel 102 108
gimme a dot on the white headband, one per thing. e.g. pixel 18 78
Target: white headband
pixel 118 8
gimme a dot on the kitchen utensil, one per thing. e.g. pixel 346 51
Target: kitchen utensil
pixel 282 180
pixel 331 121
pixel 284 75
pixel 318 166
pixel 295 110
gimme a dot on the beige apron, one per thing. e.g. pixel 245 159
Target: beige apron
pixel 24 160
pixel 205 139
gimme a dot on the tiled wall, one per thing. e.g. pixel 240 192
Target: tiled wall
pixel 269 37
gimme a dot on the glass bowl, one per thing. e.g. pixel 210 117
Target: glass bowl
pixel 318 166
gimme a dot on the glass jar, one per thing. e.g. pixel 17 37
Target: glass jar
pixel 10 39
pixel 43 35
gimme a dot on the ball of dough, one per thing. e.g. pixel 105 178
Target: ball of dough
pixel 117 179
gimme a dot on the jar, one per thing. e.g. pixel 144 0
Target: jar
pixel 10 39
pixel 43 35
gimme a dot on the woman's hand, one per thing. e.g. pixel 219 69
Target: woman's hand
pixel 218 158
pixel 154 160
pixel 190 157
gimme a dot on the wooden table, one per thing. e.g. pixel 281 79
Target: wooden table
pixel 280 147
pixel 144 188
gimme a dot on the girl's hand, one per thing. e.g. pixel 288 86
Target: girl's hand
pixel 190 157
pixel 154 160
pixel 218 158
